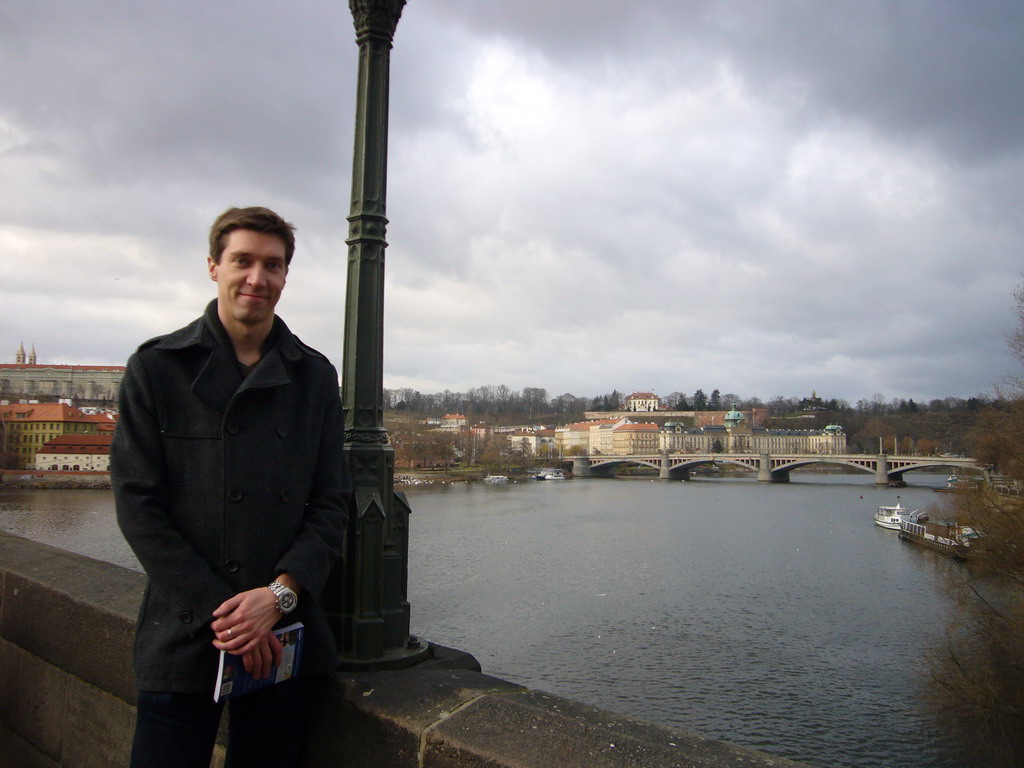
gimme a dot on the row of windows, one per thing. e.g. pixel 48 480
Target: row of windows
pixel 40 426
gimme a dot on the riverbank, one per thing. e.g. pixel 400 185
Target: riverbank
pixel 53 479
pixel 67 480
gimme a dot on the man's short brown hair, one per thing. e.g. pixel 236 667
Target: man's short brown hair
pixel 256 219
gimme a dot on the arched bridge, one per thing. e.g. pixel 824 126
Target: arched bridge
pixel 771 468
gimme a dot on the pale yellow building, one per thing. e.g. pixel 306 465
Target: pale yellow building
pixel 736 436
pixel 635 439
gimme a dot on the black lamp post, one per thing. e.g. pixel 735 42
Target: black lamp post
pixel 366 596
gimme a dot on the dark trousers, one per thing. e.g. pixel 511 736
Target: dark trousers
pixel 265 728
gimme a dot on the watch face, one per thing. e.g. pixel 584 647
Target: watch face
pixel 287 601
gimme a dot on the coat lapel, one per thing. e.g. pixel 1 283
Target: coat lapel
pixel 270 372
pixel 218 380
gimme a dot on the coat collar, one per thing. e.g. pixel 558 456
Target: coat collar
pixel 220 380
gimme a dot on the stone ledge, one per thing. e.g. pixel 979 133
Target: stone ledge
pixel 533 729
pixel 423 718
pixel 71 611
pixel 18 753
pixel 33 695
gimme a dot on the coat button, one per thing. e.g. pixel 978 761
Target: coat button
pixel 232 566
pixel 281 431
pixel 233 428
pixel 235 495
pixel 186 617
pixel 285 496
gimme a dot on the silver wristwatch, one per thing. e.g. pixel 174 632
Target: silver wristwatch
pixel 286 598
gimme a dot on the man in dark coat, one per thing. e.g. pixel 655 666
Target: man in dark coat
pixel 231 488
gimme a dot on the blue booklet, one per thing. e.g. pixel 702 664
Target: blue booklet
pixel 233 680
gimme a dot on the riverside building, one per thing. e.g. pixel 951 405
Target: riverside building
pixel 29 380
pixel 736 436
pixel 75 453
pixel 26 427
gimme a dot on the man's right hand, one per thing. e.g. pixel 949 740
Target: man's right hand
pixel 264 655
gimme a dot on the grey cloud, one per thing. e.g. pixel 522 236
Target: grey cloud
pixel 762 197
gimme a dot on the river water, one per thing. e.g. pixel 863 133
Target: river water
pixel 773 616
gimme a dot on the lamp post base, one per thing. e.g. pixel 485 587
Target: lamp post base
pixel 415 652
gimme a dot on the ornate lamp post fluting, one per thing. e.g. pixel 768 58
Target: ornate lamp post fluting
pixel 366 599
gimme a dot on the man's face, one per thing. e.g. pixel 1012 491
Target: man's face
pixel 249 277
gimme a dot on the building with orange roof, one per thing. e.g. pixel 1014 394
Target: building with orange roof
pixel 86 453
pixel 26 427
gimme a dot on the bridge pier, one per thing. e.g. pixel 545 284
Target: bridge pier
pixel 581 467
pixel 882 470
pixel 765 474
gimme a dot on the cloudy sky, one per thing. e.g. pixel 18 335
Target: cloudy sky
pixel 767 198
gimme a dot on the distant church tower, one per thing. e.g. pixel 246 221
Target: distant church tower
pixel 22 359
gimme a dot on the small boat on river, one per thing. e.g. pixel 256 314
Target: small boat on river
pixel 496 479
pixel 550 474
pixel 956 484
pixel 891 516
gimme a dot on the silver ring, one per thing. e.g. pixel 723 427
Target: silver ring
pixel 230 634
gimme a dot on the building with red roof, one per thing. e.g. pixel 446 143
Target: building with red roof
pixel 26 378
pixel 87 453
pixel 26 427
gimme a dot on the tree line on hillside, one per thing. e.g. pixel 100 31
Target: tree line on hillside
pixel 892 426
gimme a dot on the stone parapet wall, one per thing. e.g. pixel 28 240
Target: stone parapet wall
pixel 66 695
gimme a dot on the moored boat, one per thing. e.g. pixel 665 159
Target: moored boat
pixel 549 474
pixel 496 479
pixel 956 484
pixel 890 516
pixel 950 538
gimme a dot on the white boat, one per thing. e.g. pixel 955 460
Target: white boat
pixel 891 516
pixel 550 474
pixel 496 479
pixel 955 484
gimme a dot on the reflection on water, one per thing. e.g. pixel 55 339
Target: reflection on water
pixel 774 616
